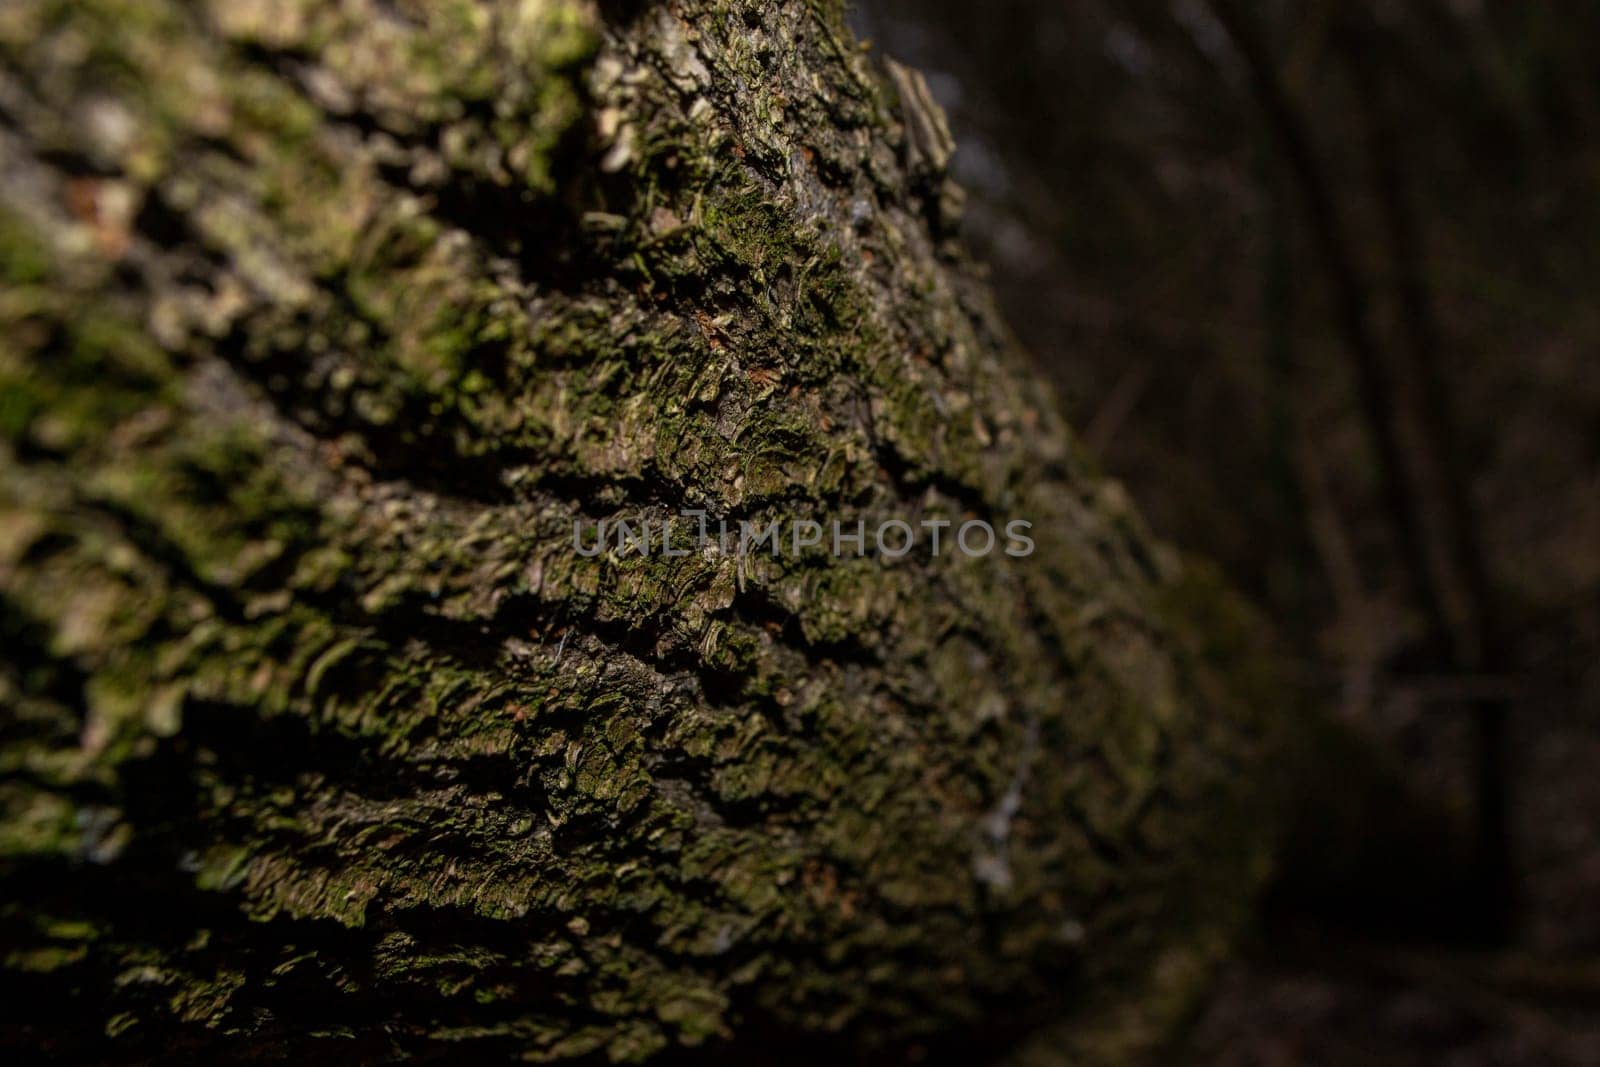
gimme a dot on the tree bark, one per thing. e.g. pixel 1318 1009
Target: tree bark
pixel 323 324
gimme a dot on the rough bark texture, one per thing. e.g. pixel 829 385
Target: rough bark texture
pixel 321 324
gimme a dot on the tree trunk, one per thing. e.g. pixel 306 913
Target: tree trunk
pixel 323 327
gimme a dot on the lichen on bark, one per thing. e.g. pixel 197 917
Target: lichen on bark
pixel 322 324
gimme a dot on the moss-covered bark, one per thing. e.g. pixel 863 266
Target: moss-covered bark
pixel 321 324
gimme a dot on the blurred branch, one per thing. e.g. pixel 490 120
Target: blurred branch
pixel 1437 485
pixel 1113 412
pixel 1328 231
pixel 1401 398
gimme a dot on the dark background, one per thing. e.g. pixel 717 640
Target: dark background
pixel 1318 281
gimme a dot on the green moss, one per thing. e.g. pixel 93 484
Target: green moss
pixel 24 260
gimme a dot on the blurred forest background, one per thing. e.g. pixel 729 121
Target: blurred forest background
pixel 1318 281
